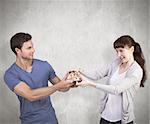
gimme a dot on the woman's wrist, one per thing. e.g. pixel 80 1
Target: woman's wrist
pixel 91 84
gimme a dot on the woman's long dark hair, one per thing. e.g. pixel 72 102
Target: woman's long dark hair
pixel 127 40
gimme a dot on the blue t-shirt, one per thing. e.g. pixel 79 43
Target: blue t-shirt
pixel 36 112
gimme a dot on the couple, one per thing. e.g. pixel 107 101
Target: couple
pixel 28 79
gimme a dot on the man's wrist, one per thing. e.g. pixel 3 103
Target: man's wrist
pixel 55 87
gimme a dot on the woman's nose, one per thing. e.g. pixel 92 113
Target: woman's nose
pixel 118 54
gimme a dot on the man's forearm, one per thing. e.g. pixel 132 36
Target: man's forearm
pixel 36 94
pixel 64 90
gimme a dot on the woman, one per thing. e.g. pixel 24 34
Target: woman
pixel 124 77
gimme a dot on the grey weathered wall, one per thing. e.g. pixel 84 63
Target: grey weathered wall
pixel 72 34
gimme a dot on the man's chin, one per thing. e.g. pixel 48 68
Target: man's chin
pixel 29 59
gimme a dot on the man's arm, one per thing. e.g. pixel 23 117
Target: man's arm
pixel 25 91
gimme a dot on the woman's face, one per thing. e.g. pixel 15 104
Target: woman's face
pixel 125 54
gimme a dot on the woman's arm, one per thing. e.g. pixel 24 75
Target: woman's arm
pixel 97 74
pixel 133 78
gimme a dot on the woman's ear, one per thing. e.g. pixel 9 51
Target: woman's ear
pixel 132 48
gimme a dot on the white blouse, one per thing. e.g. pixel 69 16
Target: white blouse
pixel 113 108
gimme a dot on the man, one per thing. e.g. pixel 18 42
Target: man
pixel 28 79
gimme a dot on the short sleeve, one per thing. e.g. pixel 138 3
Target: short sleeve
pixel 11 80
pixel 52 74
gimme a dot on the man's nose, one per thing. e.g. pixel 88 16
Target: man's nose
pixel 33 50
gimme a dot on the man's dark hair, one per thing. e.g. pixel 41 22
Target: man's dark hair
pixel 18 39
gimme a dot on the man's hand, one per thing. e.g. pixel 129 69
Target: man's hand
pixel 64 85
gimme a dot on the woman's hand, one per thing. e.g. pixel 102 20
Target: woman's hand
pixel 79 79
pixel 85 82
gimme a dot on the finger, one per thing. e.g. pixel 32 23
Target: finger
pixel 66 76
pixel 74 86
pixel 82 77
pixel 79 84
pixel 69 81
pixel 75 70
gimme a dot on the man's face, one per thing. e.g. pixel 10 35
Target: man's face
pixel 27 50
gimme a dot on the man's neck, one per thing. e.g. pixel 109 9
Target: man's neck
pixel 24 64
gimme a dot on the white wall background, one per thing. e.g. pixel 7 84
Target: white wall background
pixel 149 57
pixel 72 34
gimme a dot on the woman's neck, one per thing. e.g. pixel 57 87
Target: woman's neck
pixel 124 66
pixel 128 63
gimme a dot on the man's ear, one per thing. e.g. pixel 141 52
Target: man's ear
pixel 17 50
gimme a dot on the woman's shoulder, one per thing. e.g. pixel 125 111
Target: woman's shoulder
pixel 135 68
pixel 135 65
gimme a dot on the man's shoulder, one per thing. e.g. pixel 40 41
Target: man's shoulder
pixel 10 68
pixel 41 62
